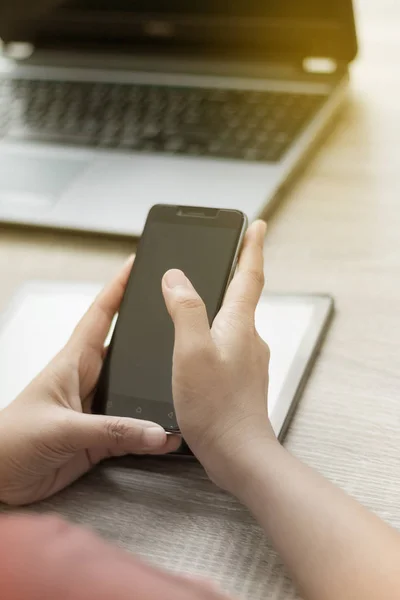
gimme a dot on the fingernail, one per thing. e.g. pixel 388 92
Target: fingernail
pixel 154 437
pixel 175 278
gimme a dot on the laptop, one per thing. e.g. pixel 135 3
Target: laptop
pixel 110 106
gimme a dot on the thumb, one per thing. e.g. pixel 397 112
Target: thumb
pixel 186 308
pixel 117 436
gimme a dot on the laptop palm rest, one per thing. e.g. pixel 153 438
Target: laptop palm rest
pixel 36 181
pixel 97 190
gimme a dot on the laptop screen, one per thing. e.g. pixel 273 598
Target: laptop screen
pixel 225 8
pixel 246 27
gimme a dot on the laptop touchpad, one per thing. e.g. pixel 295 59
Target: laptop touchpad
pixel 35 181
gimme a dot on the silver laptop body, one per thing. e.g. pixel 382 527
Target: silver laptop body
pixel 93 134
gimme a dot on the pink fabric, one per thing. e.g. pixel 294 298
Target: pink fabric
pixel 44 558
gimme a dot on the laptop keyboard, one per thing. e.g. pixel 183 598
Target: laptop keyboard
pixel 246 125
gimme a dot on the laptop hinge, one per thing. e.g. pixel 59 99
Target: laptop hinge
pixel 321 68
pixel 320 65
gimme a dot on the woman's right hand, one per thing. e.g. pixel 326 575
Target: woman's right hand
pixel 220 376
pixel 220 379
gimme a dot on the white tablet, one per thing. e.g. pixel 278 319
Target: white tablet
pixel 42 316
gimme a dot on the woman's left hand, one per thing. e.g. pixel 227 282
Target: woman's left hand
pixel 48 438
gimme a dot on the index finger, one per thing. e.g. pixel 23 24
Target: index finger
pixel 247 284
pixel 94 326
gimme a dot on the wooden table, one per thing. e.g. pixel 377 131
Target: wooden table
pixel 339 232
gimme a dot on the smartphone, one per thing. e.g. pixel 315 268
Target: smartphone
pixel 136 379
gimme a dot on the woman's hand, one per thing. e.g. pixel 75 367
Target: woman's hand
pixel 329 543
pixel 220 376
pixel 47 437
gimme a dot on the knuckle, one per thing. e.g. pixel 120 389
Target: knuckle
pixel 116 431
pixel 239 319
pixel 189 302
pixel 257 276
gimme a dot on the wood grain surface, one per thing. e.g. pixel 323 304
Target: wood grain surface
pixel 339 232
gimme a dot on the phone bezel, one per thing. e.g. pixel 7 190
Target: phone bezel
pixel 130 406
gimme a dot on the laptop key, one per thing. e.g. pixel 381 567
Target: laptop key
pixel 174 144
pixel 247 125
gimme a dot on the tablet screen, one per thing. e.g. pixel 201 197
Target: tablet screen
pixel 283 325
pixel 43 315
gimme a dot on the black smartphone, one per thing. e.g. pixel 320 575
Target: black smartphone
pixel 136 380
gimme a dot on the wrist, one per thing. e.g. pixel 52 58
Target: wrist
pixel 259 459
